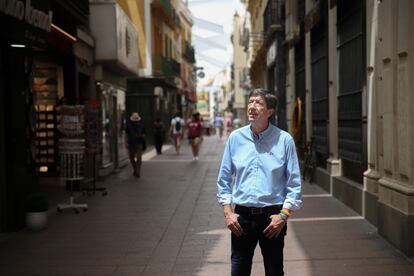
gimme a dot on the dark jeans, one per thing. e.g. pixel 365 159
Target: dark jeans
pixel 135 156
pixel 242 248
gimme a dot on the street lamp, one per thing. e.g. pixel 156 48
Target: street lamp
pixel 201 74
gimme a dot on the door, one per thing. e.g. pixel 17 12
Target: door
pixel 351 64
pixel 319 63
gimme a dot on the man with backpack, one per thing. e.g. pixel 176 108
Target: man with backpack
pixel 176 131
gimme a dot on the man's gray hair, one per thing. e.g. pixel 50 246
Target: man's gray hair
pixel 270 99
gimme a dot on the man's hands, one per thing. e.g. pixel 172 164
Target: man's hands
pixel 233 224
pixel 275 227
pixel 272 230
pixel 232 221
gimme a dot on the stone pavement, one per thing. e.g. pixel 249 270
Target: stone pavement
pixel 169 223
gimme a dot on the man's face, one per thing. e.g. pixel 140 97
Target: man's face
pixel 257 110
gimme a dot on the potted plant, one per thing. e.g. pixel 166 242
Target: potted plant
pixel 36 207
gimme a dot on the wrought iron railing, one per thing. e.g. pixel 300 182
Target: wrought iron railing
pixel 189 53
pixel 166 67
pixel 166 4
pixel 273 18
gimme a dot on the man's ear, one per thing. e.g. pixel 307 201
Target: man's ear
pixel 270 112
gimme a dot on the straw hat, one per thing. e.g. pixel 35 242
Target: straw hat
pixel 135 117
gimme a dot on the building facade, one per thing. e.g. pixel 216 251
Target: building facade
pixel 347 66
pixel 116 59
pixel 240 81
pixel 168 84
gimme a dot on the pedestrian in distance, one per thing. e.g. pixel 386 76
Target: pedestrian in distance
pixel 195 134
pixel 219 125
pixel 159 135
pixel 177 131
pixel 135 142
pixel 266 190
pixel 229 125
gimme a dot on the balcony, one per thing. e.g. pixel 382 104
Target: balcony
pixel 256 43
pixel 116 38
pixel 272 18
pixel 165 67
pixel 176 18
pixel 164 6
pixel 164 10
pixel 189 53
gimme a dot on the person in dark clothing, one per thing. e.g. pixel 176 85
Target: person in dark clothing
pixel 159 132
pixel 135 141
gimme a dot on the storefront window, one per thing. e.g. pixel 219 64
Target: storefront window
pixel 121 120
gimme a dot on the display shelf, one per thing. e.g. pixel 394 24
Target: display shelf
pixel 45 143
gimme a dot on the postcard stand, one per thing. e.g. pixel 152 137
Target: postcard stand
pixel 71 150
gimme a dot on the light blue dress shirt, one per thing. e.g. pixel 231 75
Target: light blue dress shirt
pixel 264 167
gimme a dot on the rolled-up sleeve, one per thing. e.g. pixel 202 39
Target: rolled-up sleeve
pixel 224 192
pixel 293 199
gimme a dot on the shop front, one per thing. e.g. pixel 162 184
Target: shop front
pixel 62 75
pixel 116 59
pixel 31 24
pixel 113 152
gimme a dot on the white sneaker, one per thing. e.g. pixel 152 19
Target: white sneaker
pixel 196 158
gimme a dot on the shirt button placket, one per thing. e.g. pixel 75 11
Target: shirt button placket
pixel 256 165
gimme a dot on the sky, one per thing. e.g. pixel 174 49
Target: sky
pixel 213 20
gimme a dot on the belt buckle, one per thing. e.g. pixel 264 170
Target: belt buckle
pixel 256 211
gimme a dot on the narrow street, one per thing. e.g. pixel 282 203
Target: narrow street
pixel 168 222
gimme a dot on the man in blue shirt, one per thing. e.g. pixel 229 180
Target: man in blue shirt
pixel 260 175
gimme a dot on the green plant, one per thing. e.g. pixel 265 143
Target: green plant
pixel 36 202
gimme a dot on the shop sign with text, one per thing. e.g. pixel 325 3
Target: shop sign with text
pixel 30 20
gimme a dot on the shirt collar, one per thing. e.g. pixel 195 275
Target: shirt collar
pixel 262 134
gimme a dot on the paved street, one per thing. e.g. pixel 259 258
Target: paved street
pixel 169 223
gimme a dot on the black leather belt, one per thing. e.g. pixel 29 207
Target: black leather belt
pixel 258 210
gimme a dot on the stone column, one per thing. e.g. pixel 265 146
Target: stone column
pixel 371 175
pixel 333 162
pixel 291 33
pixel 395 124
pixel 290 85
pixel 308 76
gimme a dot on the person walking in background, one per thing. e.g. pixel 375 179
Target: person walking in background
pixel 266 190
pixel 159 134
pixel 229 125
pixel 195 136
pixel 177 130
pixel 135 141
pixel 219 125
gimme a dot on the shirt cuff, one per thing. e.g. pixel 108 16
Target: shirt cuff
pixel 224 199
pixel 292 206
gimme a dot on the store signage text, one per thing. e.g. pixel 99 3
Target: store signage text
pixel 28 13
